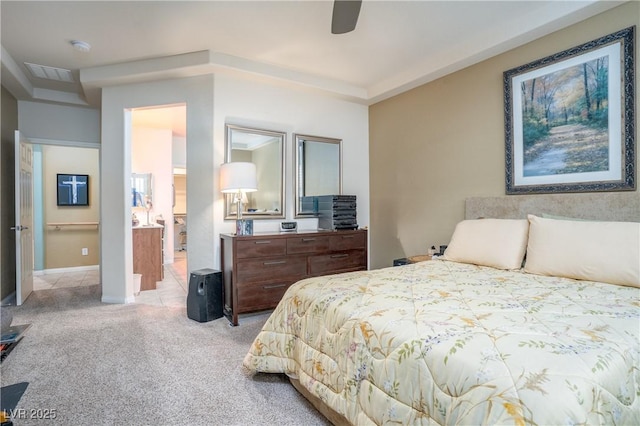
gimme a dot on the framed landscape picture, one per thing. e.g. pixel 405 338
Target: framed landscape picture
pixel 569 119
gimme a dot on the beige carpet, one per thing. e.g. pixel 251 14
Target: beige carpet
pixel 102 364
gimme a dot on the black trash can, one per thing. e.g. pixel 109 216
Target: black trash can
pixel 204 301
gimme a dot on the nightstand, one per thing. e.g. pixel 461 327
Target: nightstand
pixel 401 261
pixel 419 258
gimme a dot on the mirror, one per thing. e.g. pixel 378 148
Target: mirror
pixel 318 168
pixel 265 149
pixel 141 189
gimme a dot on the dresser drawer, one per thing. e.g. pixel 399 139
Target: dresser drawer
pixel 261 247
pixel 348 241
pixel 333 263
pixel 261 296
pixel 307 244
pixel 270 269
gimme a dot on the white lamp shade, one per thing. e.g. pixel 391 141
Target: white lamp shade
pixel 238 176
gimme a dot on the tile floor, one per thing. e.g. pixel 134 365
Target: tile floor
pixel 170 292
pixel 66 279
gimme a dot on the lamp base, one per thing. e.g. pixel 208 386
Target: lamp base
pixel 244 227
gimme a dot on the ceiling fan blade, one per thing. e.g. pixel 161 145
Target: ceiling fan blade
pixel 345 15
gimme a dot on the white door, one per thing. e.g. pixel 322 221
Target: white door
pixel 24 218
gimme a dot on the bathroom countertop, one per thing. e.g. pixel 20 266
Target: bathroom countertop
pixel 153 225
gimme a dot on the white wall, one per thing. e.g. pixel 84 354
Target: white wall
pixel 151 153
pixel 273 107
pixel 234 100
pixel 116 251
pixel 59 122
pixel 267 160
pixel 212 102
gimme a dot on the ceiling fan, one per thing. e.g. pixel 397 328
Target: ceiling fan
pixel 345 15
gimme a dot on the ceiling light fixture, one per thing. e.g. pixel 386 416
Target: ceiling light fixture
pixel 81 46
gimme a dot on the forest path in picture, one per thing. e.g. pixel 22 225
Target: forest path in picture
pixel 570 148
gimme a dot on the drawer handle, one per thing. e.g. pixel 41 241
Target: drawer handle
pixel 348 236
pixel 262 242
pixel 274 262
pixel 336 256
pixel 306 240
pixel 267 287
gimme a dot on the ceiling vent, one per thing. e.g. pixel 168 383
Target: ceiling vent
pixel 50 73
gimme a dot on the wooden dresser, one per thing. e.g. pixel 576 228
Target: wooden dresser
pixel 258 269
pixel 148 255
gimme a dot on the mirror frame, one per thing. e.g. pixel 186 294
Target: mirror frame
pixel 299 166
pixel 229 130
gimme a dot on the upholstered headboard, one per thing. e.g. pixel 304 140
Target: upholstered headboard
pixel 613 206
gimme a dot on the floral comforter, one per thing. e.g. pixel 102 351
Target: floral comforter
pixel 441 342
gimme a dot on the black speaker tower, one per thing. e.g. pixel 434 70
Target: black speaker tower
pixel 204 300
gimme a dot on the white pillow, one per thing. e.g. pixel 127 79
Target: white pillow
pixel 500 243
pixel 595 251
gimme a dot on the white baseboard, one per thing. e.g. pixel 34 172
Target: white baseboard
pixel 118 300
pixel 65 270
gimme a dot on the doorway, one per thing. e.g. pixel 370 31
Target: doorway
pixel 60 224
pixel 180 221
pixel 158 149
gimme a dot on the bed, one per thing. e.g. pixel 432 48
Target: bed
pixel 477 337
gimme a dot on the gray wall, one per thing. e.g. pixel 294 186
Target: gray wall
pixel 59 122
pixel 7 213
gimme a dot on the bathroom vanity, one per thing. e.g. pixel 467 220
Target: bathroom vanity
pixel 148 254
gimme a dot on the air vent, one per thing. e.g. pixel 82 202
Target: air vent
pixel 50 73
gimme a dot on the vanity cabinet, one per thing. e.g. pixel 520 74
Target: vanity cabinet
pixel 258 269
pixel 148 255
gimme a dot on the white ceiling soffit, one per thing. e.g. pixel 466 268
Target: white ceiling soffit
pixel 19 85
pixel 50 73
pixel 207 62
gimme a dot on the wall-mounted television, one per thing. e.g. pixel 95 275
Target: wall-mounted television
pixel 73 190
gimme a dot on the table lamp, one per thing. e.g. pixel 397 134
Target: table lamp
pixel 239 178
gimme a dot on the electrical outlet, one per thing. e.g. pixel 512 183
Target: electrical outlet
pixel 85 251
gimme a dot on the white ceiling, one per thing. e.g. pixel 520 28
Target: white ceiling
pixel 172 117
pixel 397 45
